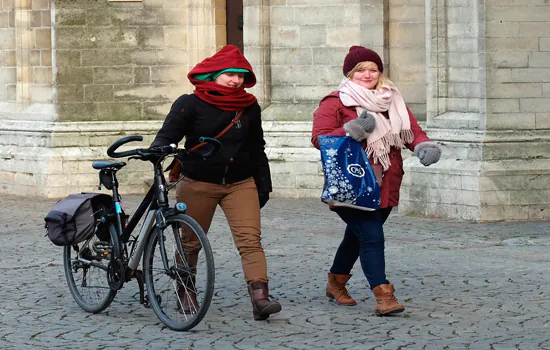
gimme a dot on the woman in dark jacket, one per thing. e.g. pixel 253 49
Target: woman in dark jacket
pixel 236 178
pixel 369 108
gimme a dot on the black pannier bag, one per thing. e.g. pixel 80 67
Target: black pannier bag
pixel 74 219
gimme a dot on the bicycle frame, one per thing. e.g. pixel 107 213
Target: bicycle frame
pixel 145 230
pixel 154 203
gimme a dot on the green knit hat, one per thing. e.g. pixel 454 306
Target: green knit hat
pixel 214 75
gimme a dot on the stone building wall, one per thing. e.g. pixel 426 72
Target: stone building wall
pixel 75 75
pixel 488 102
pixel 8 74
pixel 25 59
pixel 405 40
pixel 127 60
pixel 308 40
pixel 78 74
pixel 300 48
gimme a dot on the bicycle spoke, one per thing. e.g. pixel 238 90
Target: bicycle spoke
pixel 183 281
pixel 86 275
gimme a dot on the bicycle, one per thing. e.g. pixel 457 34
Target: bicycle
pixel 97 268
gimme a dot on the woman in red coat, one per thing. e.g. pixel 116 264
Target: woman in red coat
pixel 369 108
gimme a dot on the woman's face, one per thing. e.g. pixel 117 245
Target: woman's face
pixel 230 79
pixel 366 77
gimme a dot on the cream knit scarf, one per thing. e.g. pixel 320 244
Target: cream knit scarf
pixel 393 132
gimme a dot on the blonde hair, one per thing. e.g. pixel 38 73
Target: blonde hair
pixel 383 81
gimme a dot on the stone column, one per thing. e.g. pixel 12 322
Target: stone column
pixel 200 32
pixel 257 40
pixel 488 102
pixel 405 47
pixel 27 94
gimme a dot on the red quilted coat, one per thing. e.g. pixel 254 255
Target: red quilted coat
pixel 329 119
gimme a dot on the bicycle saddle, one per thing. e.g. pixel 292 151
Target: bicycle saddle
pixel 102 164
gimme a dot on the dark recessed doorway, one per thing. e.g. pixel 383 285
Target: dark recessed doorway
pixel 234 22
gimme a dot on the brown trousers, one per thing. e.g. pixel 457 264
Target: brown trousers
pixel 240 204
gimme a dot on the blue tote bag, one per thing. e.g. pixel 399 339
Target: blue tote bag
pixel 349 179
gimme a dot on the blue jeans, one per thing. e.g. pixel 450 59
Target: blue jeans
pixel 364 239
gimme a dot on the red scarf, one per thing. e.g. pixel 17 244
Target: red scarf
pixel 224 97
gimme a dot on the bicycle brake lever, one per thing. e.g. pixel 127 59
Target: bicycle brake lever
pixel 139 155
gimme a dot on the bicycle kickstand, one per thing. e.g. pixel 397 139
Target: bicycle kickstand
pixel 139 279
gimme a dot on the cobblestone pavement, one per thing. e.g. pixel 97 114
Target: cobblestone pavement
pixel 465 286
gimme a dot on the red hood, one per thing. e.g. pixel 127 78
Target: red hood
pixel 228 57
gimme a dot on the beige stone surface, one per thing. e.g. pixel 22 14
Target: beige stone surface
pixel 138 45
pixel 479 73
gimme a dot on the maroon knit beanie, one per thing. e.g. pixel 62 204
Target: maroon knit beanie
pixel 358 54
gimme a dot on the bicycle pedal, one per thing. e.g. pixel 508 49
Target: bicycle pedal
pixel 102 247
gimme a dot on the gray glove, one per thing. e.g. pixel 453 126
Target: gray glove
pixel 360 128
pixel 428 153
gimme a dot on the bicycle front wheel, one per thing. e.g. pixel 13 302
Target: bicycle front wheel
pixel 85 267
pixel 179 272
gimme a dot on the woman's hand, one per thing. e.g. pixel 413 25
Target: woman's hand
pixel 428 153
pixel 359 129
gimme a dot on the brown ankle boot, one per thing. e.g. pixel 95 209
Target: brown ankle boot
pixel 336 289
pixel 262 307
pixel 386 302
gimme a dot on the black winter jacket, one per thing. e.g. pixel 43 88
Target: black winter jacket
pixel 242 153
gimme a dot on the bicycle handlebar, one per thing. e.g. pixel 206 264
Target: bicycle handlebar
pixel 159 151
pixel 111 150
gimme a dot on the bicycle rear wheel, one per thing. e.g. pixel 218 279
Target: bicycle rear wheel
pixel 180 288
pixel 85 267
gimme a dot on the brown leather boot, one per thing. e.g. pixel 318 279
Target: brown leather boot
pixel 386 302
pixel 262 307
pixel 336 289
